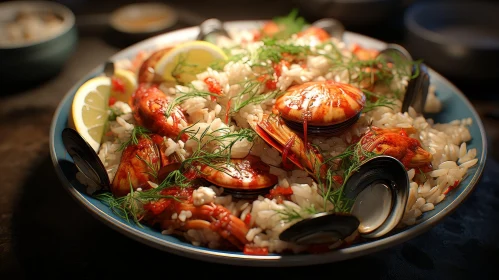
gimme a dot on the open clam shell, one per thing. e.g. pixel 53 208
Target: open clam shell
pixel 379 189
pixel 85 158
pixel 332 26
pixel 210 29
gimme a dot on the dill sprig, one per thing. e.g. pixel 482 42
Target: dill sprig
pixel 290 214
pixel 250 95
pixel 274 50
pixel 379 101
pixel 182 68
pixel 349 162
pixel 211 148
pixel 137 131
pixel 128 207
pixel 289 25
pixel 153 167
pixel 185 95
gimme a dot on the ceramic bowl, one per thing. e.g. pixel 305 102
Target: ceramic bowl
pixel 458 39
pixel 33 59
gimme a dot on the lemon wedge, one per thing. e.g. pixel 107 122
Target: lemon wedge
pixel 89 110
pixel 183 62
pixel 123 85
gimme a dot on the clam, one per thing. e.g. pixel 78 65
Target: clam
pixel 379 190
pixel 332 26
pixel 85 158
pixel 320 108
pixel 210 29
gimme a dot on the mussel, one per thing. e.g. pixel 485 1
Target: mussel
pixel 379 189
pixel 210 29
pixel 417 89
pixel 85 158
pixel 320 108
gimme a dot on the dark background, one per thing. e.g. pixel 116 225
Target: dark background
pixel 45 233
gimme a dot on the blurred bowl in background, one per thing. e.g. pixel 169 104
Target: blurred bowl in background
pixel 458 39
pixel 141 20
pixel 352 13
pixel 36 39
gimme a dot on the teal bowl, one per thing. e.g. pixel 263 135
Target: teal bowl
pixel 35 61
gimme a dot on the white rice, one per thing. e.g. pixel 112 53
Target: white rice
pixel 445 141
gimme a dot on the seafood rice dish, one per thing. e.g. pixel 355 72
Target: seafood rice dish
pixel 268 137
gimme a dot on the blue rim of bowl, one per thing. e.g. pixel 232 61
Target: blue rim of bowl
pixel 67 15
pixel 414 13
pixel 204 254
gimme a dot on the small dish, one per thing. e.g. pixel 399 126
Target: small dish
pixel 143 18
pixel 36 39
pixel 459 40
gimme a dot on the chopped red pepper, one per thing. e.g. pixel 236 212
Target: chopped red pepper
pixel 450 188
pixel 253 250
pixel 338 179
pixel 112 100
pixel 278 67
pixel 281 190
pixel 117 85
pixel 213 86
pixel 247 219
pixel 227 112
pixel 157 207
pixel 280 193
pixel 271 84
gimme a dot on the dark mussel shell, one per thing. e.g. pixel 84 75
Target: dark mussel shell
pixel 321 228
pixel 332 26
pixel 379 189
pixel 417 90
pixel 108 69
pixel 328 131
pixel 85 158
pixel 210 28
pixel 247 193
